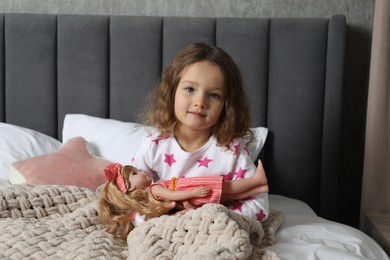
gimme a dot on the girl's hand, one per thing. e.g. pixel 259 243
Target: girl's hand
pixel 200 191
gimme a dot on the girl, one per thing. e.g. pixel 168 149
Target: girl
pixel 129 192
pixel 202 117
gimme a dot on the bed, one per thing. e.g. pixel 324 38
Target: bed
pixel 71 90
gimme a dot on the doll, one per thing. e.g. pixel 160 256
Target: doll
pixel 130 193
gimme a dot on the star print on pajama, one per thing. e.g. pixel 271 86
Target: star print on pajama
pixel 205 162
pixel 228 176
pixel 169 159
pixel 240 174
pixel 164 156
pixel 260 216
pixel 238 206
pixel 159 138
pixel 236 149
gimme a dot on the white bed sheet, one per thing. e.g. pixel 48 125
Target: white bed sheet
pixel 304 235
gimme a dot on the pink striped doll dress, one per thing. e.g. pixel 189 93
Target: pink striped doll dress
pixel 214 183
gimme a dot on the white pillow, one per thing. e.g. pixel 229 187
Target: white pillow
pixel 110 139
pixel 258 142
pixel 118 141
pixel 19 143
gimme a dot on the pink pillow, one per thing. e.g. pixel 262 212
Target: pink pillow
pixel 72 164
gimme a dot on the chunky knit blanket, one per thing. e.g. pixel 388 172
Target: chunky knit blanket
pixel 61 222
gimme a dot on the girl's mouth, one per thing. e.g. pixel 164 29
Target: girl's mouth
pixel 197 114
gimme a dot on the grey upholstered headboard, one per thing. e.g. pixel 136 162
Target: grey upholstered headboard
pixel 51 65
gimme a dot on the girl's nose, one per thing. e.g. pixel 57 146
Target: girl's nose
pixel 200 101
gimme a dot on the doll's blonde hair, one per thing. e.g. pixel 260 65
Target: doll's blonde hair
pixel 116 207
pixel 235 118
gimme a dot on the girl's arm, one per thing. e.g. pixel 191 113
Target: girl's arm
pixel 245 194
pixel 178 195
pixel 250 185
pixel 256 207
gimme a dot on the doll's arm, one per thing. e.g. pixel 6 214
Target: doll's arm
pixel 178 195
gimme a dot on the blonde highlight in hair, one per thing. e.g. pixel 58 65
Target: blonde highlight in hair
pixel 234 121
pixel 116 207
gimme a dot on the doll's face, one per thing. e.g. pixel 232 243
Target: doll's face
pixel 139 179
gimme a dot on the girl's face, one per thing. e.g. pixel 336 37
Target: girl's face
pixel 139 180
pixel 199 97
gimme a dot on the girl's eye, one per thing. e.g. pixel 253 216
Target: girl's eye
pixel 215 95
pixel 134 173
pixel 189 89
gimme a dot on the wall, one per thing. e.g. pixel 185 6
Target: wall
pixel 359 15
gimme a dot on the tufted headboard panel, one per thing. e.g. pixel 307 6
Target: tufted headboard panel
pixel 51 65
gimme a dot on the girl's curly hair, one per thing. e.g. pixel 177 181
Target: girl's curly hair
pixel 235 118
pixel 116 207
